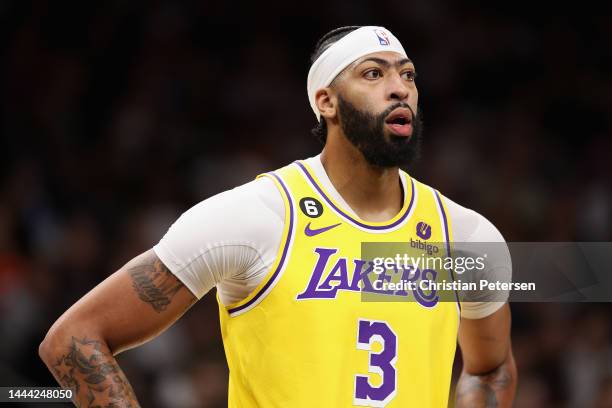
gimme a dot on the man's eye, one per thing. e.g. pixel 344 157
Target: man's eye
pixel 372 74
pixel 409 75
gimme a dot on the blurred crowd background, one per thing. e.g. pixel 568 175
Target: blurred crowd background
pixel 117 116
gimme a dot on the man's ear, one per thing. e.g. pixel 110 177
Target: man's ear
pixel 326 102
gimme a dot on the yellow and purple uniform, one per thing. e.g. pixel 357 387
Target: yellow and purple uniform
pixel 307 336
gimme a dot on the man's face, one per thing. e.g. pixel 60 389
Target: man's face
pixel 377 108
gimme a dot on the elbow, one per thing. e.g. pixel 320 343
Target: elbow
pixel 58 340
pixel 487 365
pixel 54 339
pixel 43 349
pixel 504 374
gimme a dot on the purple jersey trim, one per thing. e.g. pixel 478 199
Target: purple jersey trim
pixel 279 267
pixel 448 251
pixel 347 216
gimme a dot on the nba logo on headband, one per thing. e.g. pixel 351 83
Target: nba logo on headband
pixel 383 39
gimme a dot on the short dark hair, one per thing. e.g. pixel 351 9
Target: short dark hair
pixel 320 130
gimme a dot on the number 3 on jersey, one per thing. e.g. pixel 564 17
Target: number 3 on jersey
pixel 382 363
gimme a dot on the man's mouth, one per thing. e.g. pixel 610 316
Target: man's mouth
pixel 400 122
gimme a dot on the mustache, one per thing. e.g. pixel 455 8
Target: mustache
pixel 391 108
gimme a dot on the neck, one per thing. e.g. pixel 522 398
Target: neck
pixel 374 193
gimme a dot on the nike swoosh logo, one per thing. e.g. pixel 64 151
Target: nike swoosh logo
pixel 312 232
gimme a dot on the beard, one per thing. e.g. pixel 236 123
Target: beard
pixel 366 131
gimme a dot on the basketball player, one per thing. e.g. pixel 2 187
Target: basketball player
pixel 283 252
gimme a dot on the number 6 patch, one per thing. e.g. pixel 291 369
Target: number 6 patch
pixel 382 363
pixel 311 207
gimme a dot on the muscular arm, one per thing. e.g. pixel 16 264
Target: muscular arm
pixel 131 306
pixel 489 376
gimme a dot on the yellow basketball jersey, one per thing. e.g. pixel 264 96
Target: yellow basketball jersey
pixel 308 336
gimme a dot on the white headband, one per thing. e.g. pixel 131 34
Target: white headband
pixel 342 53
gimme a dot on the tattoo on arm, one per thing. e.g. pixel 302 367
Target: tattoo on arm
pixel 483 391
pixel 94 376
pixel 154 283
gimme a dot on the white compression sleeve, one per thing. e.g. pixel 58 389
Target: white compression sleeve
pixel 229 240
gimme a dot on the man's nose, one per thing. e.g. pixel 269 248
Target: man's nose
pixel 398 89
